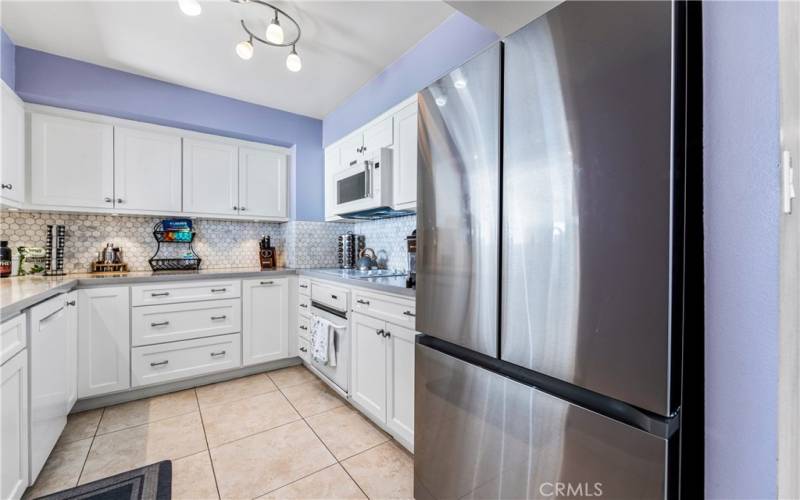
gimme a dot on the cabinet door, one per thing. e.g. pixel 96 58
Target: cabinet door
pixel 14 426
pixel 400 363
pixel 48 378
pixel 405 157
pixel 210 177
pixel 72 162
pixel 368 374
pixel 72 349
pixel 147 170
pixel 12 172
pixel 378 135
pixel 103 341
pixel 350 150
pixel 265 328
pixel 262 182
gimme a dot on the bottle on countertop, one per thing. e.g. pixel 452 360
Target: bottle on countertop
pixel 5 260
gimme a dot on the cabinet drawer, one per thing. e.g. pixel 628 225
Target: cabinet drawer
pixel 170 322
pixel 304 305
pixel 329 295
pixel 12 337
pixel 304 286
pixel 303 327
pixel 303 349
pixel 184 359
pixel 188 291
pixel 395 309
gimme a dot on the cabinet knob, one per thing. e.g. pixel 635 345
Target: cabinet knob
pixel 304 305
pixel 409 313
pixel 119 200
pixel 379 332
pixel 334 297
pixel 108 199
pixel 242 209
pixel 7 186
pixel 387 334
pixel 303 286
pixel 303 327
pixel 70 303
pixel 303 349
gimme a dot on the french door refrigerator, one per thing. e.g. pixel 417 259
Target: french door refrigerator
pixel 551 277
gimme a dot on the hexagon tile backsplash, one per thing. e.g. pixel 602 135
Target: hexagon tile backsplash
pixel 220 244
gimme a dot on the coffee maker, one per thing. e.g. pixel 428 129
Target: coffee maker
pixel 411 247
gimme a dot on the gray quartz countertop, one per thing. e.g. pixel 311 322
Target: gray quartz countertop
pixel 19 293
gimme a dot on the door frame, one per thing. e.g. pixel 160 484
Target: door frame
pixel 789 368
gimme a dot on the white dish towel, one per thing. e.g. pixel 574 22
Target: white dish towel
pixel 323 342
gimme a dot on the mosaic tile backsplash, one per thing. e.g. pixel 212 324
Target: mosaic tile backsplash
pixel 219 243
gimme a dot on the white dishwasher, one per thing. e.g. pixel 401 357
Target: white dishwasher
pixel 52 388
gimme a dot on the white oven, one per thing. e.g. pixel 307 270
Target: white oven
pixel 338 377
pixel 365 185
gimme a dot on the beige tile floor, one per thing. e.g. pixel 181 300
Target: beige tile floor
pixel 281 434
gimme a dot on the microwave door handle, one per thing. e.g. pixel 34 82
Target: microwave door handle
pixel 367 180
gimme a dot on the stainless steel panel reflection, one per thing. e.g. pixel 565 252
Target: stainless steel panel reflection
pixel 458 205
pixel 480 435
pixel 587 199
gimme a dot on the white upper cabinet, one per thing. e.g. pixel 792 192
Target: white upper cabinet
pixel 147 170
pixel 378 135
pixel 12 137
pixel 405 158
pixel 210 177
pixel 265 320
pixel 350 150
pixel 262 182
pixel 72 162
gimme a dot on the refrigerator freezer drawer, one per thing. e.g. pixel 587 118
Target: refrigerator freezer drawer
pixel 481 435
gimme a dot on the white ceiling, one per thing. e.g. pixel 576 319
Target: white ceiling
pixel 344 43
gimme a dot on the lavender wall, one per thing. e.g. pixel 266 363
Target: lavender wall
pixel 7 59
pixel 45 78
pixel 454 41
pixel 742 238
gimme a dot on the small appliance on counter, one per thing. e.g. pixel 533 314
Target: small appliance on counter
pixel 266 254
pixel 5 260
pixel 411 247
pixel 350 248
pixel 174 231
pixel 109 260
pixel 54 265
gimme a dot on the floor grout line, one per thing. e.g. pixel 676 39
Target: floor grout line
pixel 208 448
pixel 91 445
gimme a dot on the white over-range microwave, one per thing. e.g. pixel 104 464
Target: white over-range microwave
pixel 365 187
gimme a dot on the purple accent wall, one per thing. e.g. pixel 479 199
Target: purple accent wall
pixel 449 45
pixel 7 59
pixel 741 133
pixel 44 78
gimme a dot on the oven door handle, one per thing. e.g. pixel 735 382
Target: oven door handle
pixel 334 325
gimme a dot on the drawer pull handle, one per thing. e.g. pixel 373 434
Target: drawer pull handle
pixel 213 290
pixel 159 294
pixel 303 349
pixel 409 313
pixel 304 305
pixel 219 317
pixel 215 354
pixel 303 286
pixel 70 302
pixel 303 327
pixel 365 302
pixel 161 323
pixel 267 282
pixel 334 297
pixel 160 363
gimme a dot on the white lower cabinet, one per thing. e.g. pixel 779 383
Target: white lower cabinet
pixel 184 359
pixel 383 374
pixel 103 340
pixel 369 365
pixel 171 322
pixel 14 426
pixel 265 317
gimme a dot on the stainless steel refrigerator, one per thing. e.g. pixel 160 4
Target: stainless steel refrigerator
pixel 551 275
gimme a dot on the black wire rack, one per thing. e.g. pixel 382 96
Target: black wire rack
pixel 188 262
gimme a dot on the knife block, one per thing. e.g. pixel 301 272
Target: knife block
pixel 268 258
